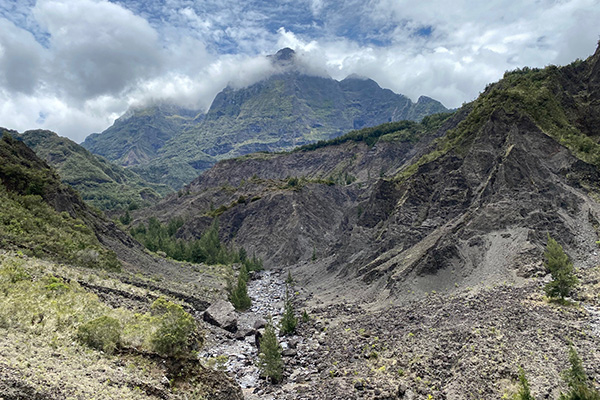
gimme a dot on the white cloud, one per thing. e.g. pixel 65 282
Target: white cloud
pixel 98 47
pixel 20 58
pixel 72 66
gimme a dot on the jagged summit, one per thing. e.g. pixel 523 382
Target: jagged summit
pixel 294 106
pixel 285 54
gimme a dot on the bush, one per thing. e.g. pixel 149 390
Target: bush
pixel 175 334
pixel 270 363
pixel 561 268
pixel 102 333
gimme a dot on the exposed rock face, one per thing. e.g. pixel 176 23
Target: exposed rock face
pixel 293 106
pixel 408 217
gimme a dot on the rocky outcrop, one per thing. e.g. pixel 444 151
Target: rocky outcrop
pixel 467 203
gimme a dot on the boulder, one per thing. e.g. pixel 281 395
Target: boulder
pixel 247 324
pixel 222 314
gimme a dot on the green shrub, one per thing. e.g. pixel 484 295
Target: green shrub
pixel 270 363
pixel 103 333
pixel 176 329
pixel 57 285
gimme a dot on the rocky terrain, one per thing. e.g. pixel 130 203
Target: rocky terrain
pixel 416 249
pixel 419 247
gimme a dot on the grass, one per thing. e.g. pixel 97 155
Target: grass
pixel 44 320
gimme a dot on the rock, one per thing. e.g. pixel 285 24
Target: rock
pixel 289 353
pixel 222 314
pixel 248 323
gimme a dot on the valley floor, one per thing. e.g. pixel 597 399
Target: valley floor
pixel 464 346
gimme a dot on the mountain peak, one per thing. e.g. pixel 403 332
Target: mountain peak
pixel 284 57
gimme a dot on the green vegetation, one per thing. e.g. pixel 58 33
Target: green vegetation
pixel 208 249
pixel 524 392
pixel 270 363
pixel 104 185
pixel 61 338
pixel 102 333
pixel 562 270
pixel 289 280
pixel 175 329
pixel 238 295
pixel 402 131
pixel 288 320
pixel 40 303
pixel 577 380
pixel 305 316
pixel 27 223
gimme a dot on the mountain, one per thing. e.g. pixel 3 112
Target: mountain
pixel 137 136
pixel 289 108
pixel 419 246
pixel 78 293
pixel 102 184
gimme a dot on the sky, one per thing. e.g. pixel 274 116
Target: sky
pixel 74 66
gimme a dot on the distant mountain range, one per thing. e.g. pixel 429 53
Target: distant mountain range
pixel 171 145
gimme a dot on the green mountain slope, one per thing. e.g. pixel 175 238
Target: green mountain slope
pixel 28 220
pixel 285 110
pixel 103 184
pixel 135 137
pixel 71 309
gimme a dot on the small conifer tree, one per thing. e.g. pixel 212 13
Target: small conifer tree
pixel 577 380
pixel 524 392
pixel 289 280
pixel 289 320
pixel 239 295
pixel 561 268
pixel 270 363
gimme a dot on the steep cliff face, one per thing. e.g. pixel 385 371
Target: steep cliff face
pixel 464 202
pixel 290 107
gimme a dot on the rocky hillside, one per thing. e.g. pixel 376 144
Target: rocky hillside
pixel 418 246
pixel 416 207
pixel 85 311
pixel 101 183
pixel 287 109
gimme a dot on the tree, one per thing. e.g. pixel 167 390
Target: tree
pixel 239 295
pixel 289 280
pixel 270 363
pixel 561 268
pixel 577 380
pixel 524 392
pixel 289 320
